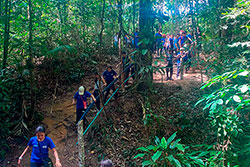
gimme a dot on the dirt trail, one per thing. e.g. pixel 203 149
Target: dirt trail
pixel 60 123
pixel 60 126
pixel 192 75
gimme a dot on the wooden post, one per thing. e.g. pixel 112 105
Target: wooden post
pixel 81 151
pixel 182 70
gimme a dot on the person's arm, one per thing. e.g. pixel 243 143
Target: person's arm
pixel 118 64
pixel 21 156
pixel 58 163
pixel 73 101
pixel 93 97
pixel 180 42
pixel 104 82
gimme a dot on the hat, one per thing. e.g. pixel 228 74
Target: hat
pixel 40 129
pixel 81 90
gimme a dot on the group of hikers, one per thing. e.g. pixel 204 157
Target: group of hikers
pixel 178 47
pixel 41 143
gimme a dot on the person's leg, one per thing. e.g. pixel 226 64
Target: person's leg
pixel 107 93
pixel 167 70
pixel 97 103
pixel 171 71
pixel 126 76
pixel 79 113
pixel 113 88
pixel 33 164
pixel 178 69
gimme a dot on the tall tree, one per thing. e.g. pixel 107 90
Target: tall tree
pixel 146 36
pixel 30 65
pixel 102 22
pixel 6 32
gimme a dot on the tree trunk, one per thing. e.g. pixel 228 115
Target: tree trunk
pixel 146 21
pixel 81 151
pixel 102 22
pixel 30 59
pixel 6 32
pixel 133 15
pixel 119 37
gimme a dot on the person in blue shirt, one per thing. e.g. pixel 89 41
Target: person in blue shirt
pixel 136 38
pixel 176 44
pixel 158 42
pixel 109 75
pixel 171 43
pixel 40 150
pixel 189 37
pixel 182 39
pixel 80 98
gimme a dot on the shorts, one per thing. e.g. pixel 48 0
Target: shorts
pixel 35 164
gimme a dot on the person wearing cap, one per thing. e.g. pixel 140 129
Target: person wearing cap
pixel 109 75
pixel 80 98
pixel 40 144
pixel 179 61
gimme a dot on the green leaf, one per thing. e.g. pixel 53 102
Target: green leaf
pixel 208 105
pixel 199 161
pixel 151 147
pixel 146 163
pixel 164 143
pixel 173 145
pixel 156 155
pixel 177 162
pixel 180 147
pixel 198 102
pixel 143 149
pixel 139 156
pixel 144 51
pixel 171 138
pixel 157 140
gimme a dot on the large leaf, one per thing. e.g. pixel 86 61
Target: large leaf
pixel 164 143
pixel 139 155
pixel 142 149
pixel 156 155
pixel 144 51
pixel 146 163
pixel 180 147
pixel 171 138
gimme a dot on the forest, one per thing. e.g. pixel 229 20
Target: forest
pixel 125 83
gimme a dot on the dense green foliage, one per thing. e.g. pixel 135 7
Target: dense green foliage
pixel 48 44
